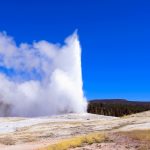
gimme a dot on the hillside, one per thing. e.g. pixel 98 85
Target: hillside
pixel 116 107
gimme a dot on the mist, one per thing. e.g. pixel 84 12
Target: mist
pixel 41 78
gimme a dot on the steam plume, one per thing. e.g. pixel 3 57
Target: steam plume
pixel 40 79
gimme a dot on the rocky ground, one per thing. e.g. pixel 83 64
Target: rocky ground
pixel 34 133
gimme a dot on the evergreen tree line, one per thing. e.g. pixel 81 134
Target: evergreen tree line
pixel 117 108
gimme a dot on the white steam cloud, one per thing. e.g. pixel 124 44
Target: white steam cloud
pixel 40 78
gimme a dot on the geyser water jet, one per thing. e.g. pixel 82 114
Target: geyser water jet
pixel 41 78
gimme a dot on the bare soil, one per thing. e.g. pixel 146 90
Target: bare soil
pixel 117 141
pixel 35 133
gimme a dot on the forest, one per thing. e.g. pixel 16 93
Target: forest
pixel 116 107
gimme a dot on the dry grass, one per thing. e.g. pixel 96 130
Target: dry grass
pixel 76 141
pixel 142 135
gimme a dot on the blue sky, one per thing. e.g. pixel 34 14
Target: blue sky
pixel 114 35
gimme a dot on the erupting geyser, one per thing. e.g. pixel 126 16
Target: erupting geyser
pixel 40 79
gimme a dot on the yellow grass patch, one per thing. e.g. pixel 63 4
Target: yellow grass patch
pixel 76 141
